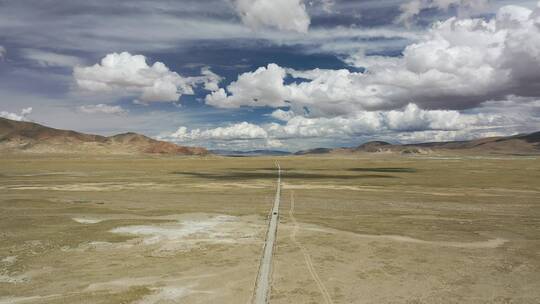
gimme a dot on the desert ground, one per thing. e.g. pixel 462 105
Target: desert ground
pixel 353 229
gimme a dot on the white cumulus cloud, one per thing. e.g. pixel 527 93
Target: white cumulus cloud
pixel 410 118
pixel 237 131
pixel 23 116
pixel 413 118
pixel 293 129
pixel 458 64
pixel 131 75
pixel 263 87
pixel 102 109
pixel 282 115
pixel 208 79
pixel 287 15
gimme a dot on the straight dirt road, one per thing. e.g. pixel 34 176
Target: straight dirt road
pixel 262 287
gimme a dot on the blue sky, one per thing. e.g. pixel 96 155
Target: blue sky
pixel 279 74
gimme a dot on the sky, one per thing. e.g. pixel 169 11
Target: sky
pixel 274 74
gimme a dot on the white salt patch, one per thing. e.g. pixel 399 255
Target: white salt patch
pixel 32 299
pixel 4 278
pixel 122 284
pixel 492 243
pixel 86 220
pixel 176 231
pixel 187 234
pixel 97 246
pixel 15 300
pixel 9 259
pixel 101 246
pixel 88 187
pixel 165 294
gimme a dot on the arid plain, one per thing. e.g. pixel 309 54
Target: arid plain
pixel 353 229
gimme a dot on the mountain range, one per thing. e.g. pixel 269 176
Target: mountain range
pixel 523 144
pixel 21 136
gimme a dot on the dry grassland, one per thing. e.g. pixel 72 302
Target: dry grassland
pixel 355 229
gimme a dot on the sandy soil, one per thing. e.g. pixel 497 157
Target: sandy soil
pixel 178 230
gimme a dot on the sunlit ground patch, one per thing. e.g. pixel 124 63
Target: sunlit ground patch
pixel 6 278
pixel 9 260
pixel 86 220
pixel 85 187
pixel 21 277
pixel 490 243
pixel 168 294
pixel 191 231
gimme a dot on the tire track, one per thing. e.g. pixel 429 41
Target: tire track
pixel 307 257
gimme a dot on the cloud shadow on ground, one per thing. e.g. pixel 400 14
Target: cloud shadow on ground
pixel 243 175
pixel 385 170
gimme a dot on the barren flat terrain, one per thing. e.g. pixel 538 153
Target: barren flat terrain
pixel 353 229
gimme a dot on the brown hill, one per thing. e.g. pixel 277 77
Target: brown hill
pixel 373 146
pixel 18 136
pixel 524 144
pixel 518 144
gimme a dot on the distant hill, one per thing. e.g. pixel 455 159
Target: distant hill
pixel 251 153
pixel 524 144
pixel 20 136
pixel 373 146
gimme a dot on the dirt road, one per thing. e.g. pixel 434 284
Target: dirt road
pixel 262 287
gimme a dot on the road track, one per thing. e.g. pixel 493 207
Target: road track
pixel 264 277
pixel 307 257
